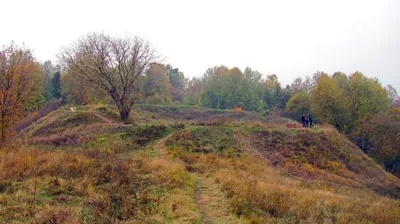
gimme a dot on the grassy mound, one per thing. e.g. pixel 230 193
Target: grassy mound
pixel 203 140
pixel 318 176
pixel 325 155
pixel 85 166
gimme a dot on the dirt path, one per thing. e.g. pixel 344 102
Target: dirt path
pixel 106 120
pixel 160 147
pixel 211 202
pixel 201 200
pixel 213 205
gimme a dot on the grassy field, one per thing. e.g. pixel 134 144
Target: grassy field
pixel 188 165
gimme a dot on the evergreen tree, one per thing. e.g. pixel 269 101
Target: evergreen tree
pixel 56 84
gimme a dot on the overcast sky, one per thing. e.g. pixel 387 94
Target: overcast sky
pixel 288 38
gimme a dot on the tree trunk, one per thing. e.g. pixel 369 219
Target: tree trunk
pixel 3 127
pixel 124 115
pixel 3 134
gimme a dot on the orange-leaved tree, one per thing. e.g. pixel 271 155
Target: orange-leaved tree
pixel 20 83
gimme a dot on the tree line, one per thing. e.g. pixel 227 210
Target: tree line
pixel 126 71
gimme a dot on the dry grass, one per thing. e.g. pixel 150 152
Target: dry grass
pixel 252 196
pixel 324 190
pixel 32 118
pixel 260 171
pixel 325 155
pixel 92 186
pixel 263 195
pixel 214 206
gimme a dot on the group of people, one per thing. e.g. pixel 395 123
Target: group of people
pixel 307 121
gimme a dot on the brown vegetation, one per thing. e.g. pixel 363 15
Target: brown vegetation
pixel 254 171
pixel 89 186
pixel 330 185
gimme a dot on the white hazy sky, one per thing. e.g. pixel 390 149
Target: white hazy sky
pixel 288 38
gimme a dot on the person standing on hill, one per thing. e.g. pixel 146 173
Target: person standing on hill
pixel 306 120
pixel 310 119
pixel 303 120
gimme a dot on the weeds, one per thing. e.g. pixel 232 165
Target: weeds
pixel 98 187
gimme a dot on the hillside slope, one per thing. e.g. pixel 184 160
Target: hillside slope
pixel 313 156
pixel 189 165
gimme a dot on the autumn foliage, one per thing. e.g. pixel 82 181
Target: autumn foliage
pixel 19 86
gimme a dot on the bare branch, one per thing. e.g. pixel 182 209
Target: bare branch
pixel 113 64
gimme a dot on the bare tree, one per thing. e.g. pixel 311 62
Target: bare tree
pixel 113 64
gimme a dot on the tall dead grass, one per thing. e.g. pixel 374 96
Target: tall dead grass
pixel 253 197
pixel 92 186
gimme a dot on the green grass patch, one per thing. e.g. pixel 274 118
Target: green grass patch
pixel 202 139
